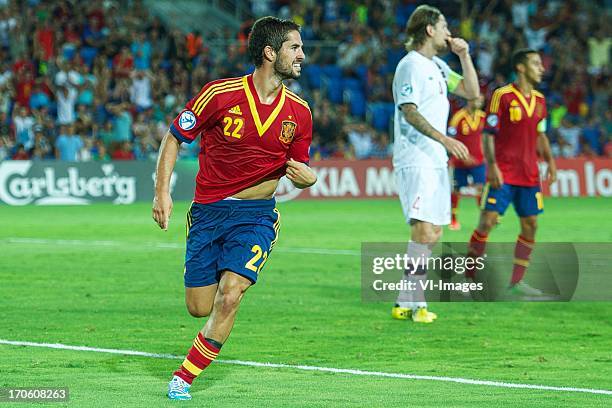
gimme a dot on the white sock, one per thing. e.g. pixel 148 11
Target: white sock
pixel 413 299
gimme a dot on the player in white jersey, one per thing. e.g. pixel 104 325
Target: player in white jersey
pixel 420 87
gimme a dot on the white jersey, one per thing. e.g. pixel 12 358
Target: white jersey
pixel 425 83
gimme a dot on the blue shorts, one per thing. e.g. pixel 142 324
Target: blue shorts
pixel 478 174
pixel 527 201
pixel 235 235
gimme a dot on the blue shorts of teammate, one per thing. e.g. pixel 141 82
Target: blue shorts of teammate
pixel 527 201
pixel 235 235
pixel 478 174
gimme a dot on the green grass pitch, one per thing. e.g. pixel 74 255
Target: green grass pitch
pixel 111 288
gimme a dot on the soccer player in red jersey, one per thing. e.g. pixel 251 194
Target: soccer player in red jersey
pixel 253 131
pixel 515 133
pixel 466 125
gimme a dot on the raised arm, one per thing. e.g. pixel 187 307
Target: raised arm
pixel 468 86
pixel 162 203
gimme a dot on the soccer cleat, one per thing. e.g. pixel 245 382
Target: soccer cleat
pixel 400 313
pixel 421 315
pixel 178 389
pixel 404 313
pixel 522 289
pixel 454 226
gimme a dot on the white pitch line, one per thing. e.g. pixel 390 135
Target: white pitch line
pixel 315 368
pixel 164 245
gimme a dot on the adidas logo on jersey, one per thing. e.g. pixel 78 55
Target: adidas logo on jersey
pixel 236 110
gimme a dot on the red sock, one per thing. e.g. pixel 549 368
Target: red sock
pixel 454 206
pixel 478 199
pixel 200 355
pixel 522 252
pixel 476 248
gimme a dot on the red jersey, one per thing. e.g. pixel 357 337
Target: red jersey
pixel 516 121
pixel 468 130
pixel 242 140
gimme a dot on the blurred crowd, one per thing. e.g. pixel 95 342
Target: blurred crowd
pixel 102 80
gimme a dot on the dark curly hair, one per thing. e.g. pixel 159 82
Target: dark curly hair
pixel 268 31
pixel 520 57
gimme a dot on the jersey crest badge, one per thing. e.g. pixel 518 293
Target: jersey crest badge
pixel 288 131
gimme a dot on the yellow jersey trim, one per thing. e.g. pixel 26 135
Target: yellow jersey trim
pixel 457 117
pixel 215 93
pixel 297 99
pixel 262 128
pixel 532 101
pixel 497 97
pixel 209 91
pixel 474 121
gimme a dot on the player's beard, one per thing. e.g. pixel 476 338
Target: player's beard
pixel 442 47
pixel 285 70
pixel 534 79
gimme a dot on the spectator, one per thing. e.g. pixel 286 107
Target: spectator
pixel 5 151
pixel 122 123
pixel 86 152
pixel 42 149
pixel 44 40
pixel 24 127
pixel 23 87
pixel 360 137
pixel 381 148
pixel 124 152
pixel 68 144
pixel 123 63
pixel 66 100
pixel 599 51
pixel 194 43
pixel 39 99
pixel 106 134
pixel 569 138
pixel 145 149
pixel 21 153
pixel 99 152
pixel 141 50
pixel 140 91
pixel 592 137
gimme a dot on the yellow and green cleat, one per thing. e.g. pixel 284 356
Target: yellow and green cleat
pixel 420 315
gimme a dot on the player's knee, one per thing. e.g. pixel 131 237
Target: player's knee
pixel 198 309
pixel 529 226
pixel 230 296
pixel 487 223
pixel 228 302
pixel 425 233
pixel 437 233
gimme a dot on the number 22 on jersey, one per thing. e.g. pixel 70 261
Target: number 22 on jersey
pixel 232 126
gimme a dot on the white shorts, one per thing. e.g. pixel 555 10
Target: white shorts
pixel 425 194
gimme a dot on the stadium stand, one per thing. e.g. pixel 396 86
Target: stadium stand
pixel 112 75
